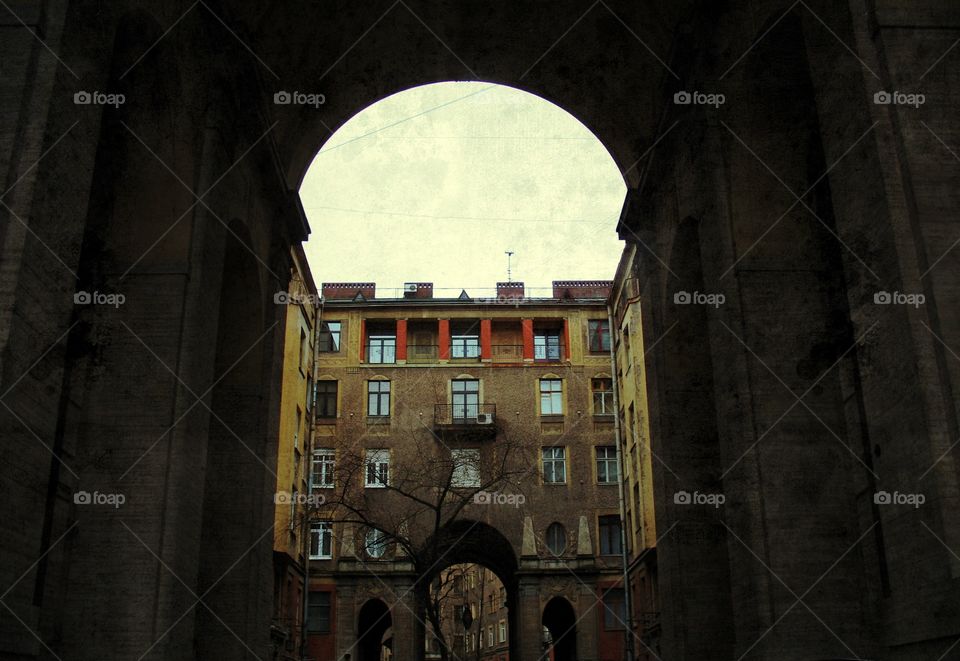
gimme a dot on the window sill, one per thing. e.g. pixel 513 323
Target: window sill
pixel 551 417
pixel 378 419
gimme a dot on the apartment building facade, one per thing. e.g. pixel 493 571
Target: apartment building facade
pixel 301 302
pixel 404 379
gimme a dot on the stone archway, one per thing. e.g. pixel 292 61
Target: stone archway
pixel 560 620
pixel 374 623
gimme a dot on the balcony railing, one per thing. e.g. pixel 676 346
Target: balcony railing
pixel 465 415
pixel 422 353
pixel 507 353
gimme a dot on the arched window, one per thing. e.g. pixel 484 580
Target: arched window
pixel 556 538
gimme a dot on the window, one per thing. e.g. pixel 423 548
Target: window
pixel 602 396
pixel 321 540
pixel 326 399
pixel 382 349
pixel 311 393
pixel 378 468
pixel 490 635
pixel 610 535
pixel 378 398
pixel 598 335
pixel 555 465
pixel 296 430
pixel 375 543
pixel 466 399
pixel 607 470
pixel 614 610
pixel 551 397
pixel 324 461
pixel 304 350
pixel 330 336
pixel 502 626
pixel 556 538
pixel 464 346
pixel 546 346
pixel 466 468
pixel 318 612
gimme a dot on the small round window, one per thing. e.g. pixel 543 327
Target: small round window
pixel 556 539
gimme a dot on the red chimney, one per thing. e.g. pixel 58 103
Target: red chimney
pixel 348 290
pixel 512 290
pixel 582 288
pixel 418 290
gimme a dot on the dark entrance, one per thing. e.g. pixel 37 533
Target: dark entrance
pixel 373 627
pixel 560 620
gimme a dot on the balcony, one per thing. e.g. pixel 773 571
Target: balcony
pixel 506 353
pixel 471 419
pixel 422 353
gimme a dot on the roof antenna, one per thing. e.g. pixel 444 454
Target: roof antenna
pixel 509 255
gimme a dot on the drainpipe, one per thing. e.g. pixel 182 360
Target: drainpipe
pixel 624 557
pixel 305 535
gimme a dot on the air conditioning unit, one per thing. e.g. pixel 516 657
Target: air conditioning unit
pixel 484 418
pixel 410 288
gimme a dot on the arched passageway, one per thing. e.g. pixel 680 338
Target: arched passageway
pixel 561 622
pixel 374 623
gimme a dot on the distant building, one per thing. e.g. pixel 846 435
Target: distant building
pixel 295 420
pixel 407 378
pixel 635 449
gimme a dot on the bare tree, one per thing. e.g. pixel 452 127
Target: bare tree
pixel 412 506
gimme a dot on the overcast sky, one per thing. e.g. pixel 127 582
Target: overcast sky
pixel 435 183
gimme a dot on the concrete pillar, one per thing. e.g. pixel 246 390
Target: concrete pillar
pixel 444 339
pixel 486 350
pixel 401 341
pixel 527 326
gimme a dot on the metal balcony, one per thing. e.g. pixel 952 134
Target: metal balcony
pixel 465 417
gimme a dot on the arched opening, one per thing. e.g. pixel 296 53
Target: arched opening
pixel 481 559
pixel 374 632
pixel 437 182
pixel 560 624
